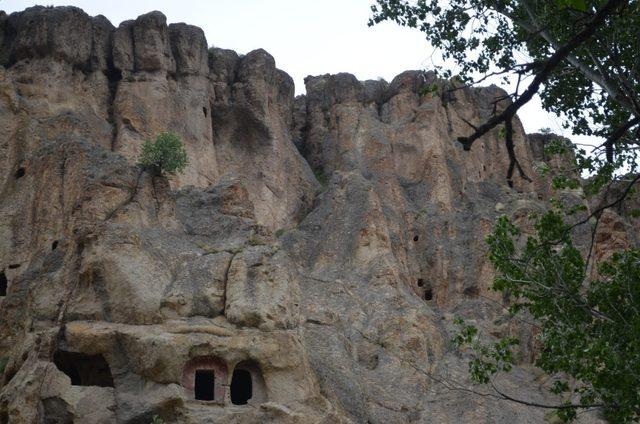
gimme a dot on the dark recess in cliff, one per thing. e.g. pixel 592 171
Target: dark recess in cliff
pixel 83 369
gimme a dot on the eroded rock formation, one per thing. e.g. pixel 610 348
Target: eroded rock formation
pixel 247 289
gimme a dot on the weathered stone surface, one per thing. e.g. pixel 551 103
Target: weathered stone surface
pixel 60 33
pixel 338 295
pixel 189 47
pixel 222 65
pixel 199 286
pixel 151 43
pixel 262 290
pixel 123 55
pixel 251 132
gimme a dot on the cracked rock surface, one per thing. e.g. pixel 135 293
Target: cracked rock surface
pixel 321 245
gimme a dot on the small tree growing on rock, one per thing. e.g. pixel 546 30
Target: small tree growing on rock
pixel 164 156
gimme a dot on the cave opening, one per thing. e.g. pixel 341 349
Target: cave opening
pixel 83 369
pixel 204 385
pixel 416 238
pixel 241 387
pixel 206 379
pixel 428 294
pixel 113 75
pixel 420 282
pixel 471 291
pixel 54 245
pixel 20 173
pixel 3 283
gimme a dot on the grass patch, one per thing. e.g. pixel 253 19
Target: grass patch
pixel 208 250
pixel 322 179
pixel 255 242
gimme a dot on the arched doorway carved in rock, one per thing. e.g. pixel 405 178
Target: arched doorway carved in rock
pixel 205 379
pixel 247 384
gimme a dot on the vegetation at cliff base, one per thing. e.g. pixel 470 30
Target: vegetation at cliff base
pixel 581 58
pixel 588 328
pixel 164 156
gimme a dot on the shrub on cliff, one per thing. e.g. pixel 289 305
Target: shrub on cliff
pixel 164 156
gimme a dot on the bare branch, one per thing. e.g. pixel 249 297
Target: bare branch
pixel 545 72
pixel 542 405
pixel 616 135
pixel 612 204
pixel 513 160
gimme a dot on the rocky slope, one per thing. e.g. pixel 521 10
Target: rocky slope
pixel 311 258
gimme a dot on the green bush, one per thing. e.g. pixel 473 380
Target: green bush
pixel 164 156
pixel 322 179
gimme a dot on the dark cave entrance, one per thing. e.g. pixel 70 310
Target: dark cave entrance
pixel 204 385
pixel 83 369
pixel 20 173
pixel 206 378
pixel 428 294
pixel 241 387
pixel 3 283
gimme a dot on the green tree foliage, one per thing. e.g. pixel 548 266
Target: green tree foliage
pixel 581 57
pixel 164 156
pixel 589 328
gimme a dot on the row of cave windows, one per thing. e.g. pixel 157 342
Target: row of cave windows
pixel 93 370
pixel 241 386
pixel 427 294
pixel 428 291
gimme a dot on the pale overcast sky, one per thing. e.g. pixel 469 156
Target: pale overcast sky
pixel 306 37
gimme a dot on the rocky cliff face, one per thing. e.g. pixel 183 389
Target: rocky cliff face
pixel 305 268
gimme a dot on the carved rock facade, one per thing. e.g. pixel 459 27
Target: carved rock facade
pixel 246 279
